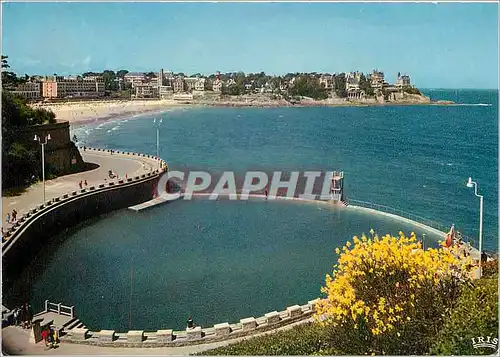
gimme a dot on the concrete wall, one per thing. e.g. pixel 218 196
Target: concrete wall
pixel 223 331
pixel 35 228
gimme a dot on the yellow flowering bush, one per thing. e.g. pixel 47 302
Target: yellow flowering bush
pixel 388 287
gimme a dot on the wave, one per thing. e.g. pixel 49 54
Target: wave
pixel 474 105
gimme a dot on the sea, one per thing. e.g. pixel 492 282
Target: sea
pixel 222 261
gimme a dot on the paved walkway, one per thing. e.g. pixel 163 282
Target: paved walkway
pixel 120 164
pixel 15 341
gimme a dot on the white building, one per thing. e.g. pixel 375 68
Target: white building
pixel 403 81
pixel 29 90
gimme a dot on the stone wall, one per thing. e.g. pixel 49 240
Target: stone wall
pixel 34 229
pixel 61 154
pixel 197 335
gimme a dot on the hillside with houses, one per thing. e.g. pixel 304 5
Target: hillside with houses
pixel 233 87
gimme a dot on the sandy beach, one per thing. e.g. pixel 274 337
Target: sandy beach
pixel 85 111
pixel 92 110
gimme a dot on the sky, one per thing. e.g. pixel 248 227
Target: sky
pixel 443 45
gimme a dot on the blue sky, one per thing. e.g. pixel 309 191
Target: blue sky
pixel 440 45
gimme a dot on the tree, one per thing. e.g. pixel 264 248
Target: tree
pixel 340 85
pixel 9 79
pixel 365 85
pixel 308 87
pixel 109 78
pixel 121 73
pixel 19 161
pixel 389 296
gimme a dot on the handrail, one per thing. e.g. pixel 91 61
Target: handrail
pixel 412 217
pixel 53 307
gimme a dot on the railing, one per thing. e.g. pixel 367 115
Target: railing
pixel 60 309
pixel 412 217
pixel 40 209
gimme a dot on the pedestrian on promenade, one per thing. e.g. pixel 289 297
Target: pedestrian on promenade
pixel 23 316
pixel 86 184
pixel 14 215
pixel 80 184
pixel 17 312
pixel 84 148
pixel 45 337
pixel 7 218
pixel 52 337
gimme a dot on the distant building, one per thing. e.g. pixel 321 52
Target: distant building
pixel 355 93
pixel 352 80
pixel 195 84
pixel 377 79
pixel 183 96
pixel 217 85
pixel 29 90
pixel 178 85
pixel 146 90
pixel 71 86
pixel 327 82
pixel 165 91
pixel 403 81
pixel 135 78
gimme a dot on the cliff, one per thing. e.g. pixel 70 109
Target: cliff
pixel 61 154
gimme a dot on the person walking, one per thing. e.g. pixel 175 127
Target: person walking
pixel 17 312
pixel 80 184
pixel 45 337
pixel 23 316
pixel 7 218
pixel 86 184
pixel 14 215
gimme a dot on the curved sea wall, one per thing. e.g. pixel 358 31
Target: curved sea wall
pixel 197 335
pixel 34 229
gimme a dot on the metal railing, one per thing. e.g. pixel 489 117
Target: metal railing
pixel 413 217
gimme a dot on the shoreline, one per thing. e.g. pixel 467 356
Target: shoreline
pixel 85 112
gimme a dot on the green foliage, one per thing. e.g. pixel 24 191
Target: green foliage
pixel 411 90
pixel 340 85
pixel 490 268
pixel 304 340
pixel 308 87
pixel 19 162
pixel 365 85
pixel 475 315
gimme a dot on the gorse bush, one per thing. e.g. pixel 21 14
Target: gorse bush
pixel 388 296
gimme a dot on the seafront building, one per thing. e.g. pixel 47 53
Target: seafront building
pixel 72 86
pixel 30 90
pixel 377 81
pixel 403 81
pixel 327 81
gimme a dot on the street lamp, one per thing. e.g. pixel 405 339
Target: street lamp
pixel 471 184
pixel 158 138
pixel 47 138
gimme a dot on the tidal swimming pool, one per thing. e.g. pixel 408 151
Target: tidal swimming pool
pixel 217 261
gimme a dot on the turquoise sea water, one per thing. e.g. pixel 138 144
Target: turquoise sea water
pixel 415 158
pixel 222 261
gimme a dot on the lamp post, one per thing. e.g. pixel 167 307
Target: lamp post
pixel 47 138
pixel 471 184
pixel 158 138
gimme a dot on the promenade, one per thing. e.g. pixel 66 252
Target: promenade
pixel 120 164
pixel 16 342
